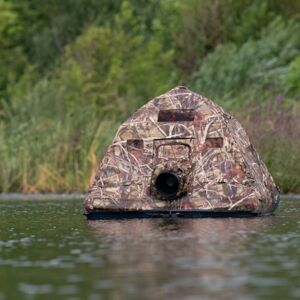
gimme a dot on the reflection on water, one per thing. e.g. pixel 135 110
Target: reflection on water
pixel 183 257
pixel 49 251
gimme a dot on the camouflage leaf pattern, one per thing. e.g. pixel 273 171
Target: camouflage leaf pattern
pixel 190 135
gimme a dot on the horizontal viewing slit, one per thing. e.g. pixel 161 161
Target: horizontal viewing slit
pixel 214 142
pixel 176 115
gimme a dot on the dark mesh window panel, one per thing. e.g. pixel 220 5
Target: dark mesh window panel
pixel 176 115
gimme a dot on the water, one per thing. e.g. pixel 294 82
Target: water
pixel 49 251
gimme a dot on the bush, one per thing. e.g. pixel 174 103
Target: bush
pixel 253 71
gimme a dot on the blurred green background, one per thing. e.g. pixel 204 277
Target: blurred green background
pixel 71 71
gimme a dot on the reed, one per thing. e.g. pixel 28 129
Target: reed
pixel 275 132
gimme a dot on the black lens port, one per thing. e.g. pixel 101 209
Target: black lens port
pixel 167 184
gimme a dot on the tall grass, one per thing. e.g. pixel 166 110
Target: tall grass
pixel 43 150
pixel 275 132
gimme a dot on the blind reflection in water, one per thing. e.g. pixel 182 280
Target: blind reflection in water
pixel 182 257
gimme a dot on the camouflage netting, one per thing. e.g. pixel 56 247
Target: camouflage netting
pixel 181 151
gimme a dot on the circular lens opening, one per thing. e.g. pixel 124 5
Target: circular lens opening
pixel 167 184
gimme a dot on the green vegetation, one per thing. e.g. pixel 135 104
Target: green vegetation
pixel 72 71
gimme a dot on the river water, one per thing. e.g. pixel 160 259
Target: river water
pixel 48 250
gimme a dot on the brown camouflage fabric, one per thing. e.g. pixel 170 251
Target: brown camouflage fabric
pixel 181 132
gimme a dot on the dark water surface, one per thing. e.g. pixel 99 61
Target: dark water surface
pixel 49 251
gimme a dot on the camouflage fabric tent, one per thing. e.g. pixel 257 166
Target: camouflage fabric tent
pixel 181 153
